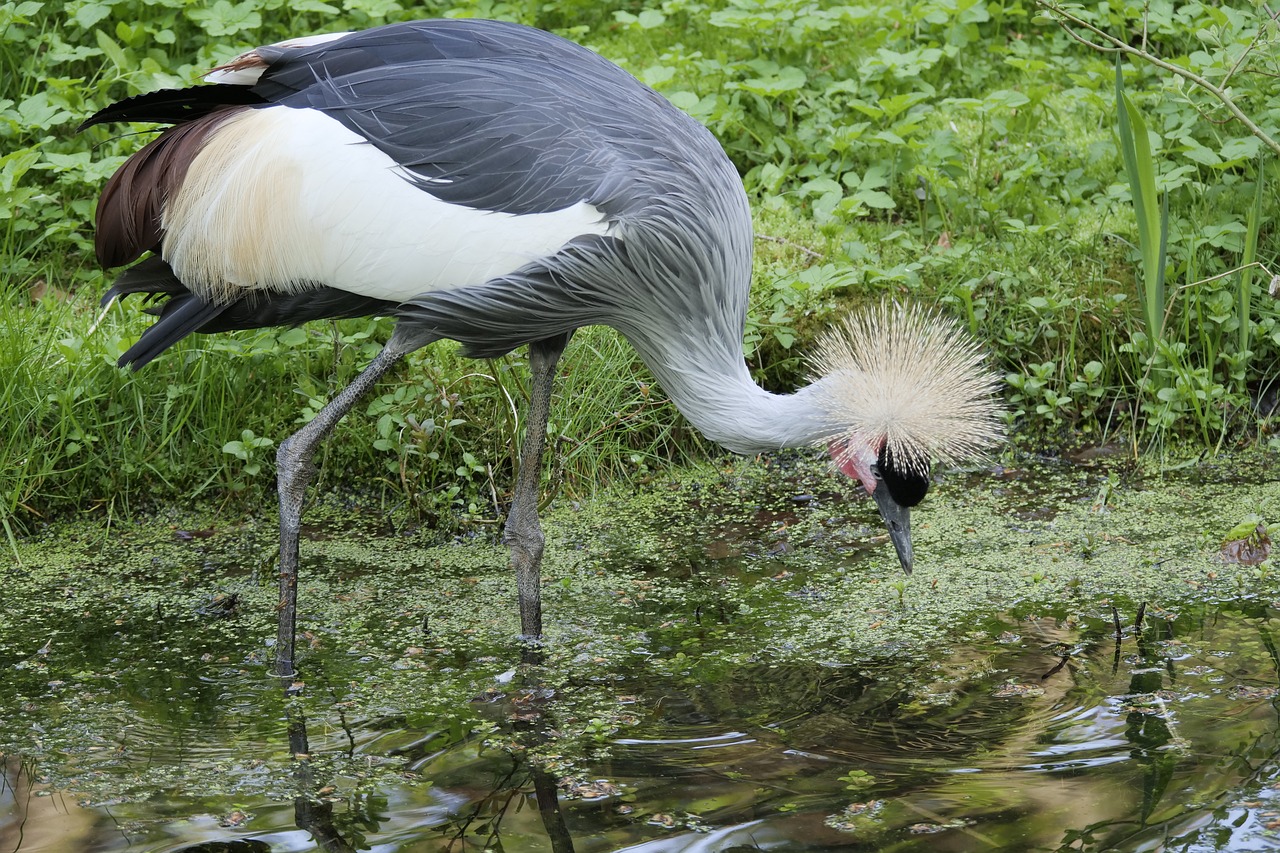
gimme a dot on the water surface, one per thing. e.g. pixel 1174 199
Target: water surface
pixel 734 662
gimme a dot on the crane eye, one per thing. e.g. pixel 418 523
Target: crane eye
pixel 876 472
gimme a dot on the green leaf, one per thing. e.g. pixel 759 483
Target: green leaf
pixel 297 336
pixel 785 80
pixel 1239 149
pixel 89 14
pixel 1006 98
pixel 38 111
pixel 27 9
pixel 895 105
pixel 1245 528
pixel 1198 153
pixel 313 6
pixel 651 18
pixel 656 75
pixel 876 198
pixel 224 19
pixel 377 9
pixel 16 164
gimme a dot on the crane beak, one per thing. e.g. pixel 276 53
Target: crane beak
pixel 898 519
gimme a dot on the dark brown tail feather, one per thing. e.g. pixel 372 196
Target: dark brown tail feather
pixel 132 202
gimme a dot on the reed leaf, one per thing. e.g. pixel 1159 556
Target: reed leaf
pixel 1245 294
pixel 1152 216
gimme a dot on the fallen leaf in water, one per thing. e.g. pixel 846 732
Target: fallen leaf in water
pixel 235 818
pixel 1247 544
pixel 1013 690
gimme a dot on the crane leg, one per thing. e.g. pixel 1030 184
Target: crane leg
pixel 523 533
pixel 293 472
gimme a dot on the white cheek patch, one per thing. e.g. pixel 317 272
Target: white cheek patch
pixel 284 198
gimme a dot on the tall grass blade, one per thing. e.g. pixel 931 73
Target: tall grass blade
pixel 1245 294
pixel 1152 217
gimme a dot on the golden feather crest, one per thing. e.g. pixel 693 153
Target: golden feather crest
pixel 911 379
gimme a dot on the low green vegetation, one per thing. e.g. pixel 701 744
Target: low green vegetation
pixel 947 151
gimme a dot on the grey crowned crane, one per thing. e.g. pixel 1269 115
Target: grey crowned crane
pixel 501 186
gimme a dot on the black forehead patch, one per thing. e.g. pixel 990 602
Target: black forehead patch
pixel 907 487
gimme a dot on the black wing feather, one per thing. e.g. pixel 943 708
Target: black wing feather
pixel 174 106
pixel 183 313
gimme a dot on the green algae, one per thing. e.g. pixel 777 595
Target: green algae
pixel 984 544
pixel 752 590
pixel 792 564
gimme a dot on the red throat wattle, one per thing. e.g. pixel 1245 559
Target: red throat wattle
pixel 855 461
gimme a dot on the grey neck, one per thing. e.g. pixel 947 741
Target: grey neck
pixel 710 384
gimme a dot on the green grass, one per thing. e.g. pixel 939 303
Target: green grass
pixel 952 152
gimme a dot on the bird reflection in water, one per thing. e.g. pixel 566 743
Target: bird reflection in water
pixel 476 826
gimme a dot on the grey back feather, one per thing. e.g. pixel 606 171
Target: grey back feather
pixel 500 117
pixel 493 115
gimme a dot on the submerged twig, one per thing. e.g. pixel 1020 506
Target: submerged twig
pixel 1057 667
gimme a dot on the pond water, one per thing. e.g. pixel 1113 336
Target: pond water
pixel 733 663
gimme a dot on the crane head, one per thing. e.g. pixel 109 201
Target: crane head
pixel 896 490
pixel 903 388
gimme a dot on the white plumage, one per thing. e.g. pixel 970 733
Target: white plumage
pixel 282 198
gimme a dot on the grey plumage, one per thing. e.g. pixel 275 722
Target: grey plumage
pixel 495 115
